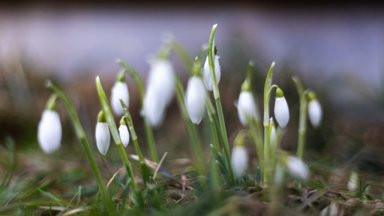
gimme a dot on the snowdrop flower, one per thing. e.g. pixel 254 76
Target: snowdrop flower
pixel 353 182
pixel 119 91
pixel 239 160
pixel 102 134
pixel 246 108
pixel 124 134
pixel 208 79
pixel 297 168
pixel 281 109
pixel 314 110
pixel 154 107
pixel 195 97
pixel 162 79
pixel 49 131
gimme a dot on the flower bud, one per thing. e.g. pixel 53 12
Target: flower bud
pixel 195 97
pixel 154 107
pixel 49 131
pixel 208 79
pixel 102 134
pixel 239 161
pixel 246 108
pixel 119 91
pixel 162 80
pixel 297 168
pixel 281 109
pixel 353 182
pixel 314 112
pixel 124 134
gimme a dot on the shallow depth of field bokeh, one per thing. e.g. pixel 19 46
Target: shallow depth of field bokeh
pixel 336 52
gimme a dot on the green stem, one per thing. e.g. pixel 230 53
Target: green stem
pixel 302 118
pixel 191 129
pixel 254 128
pixel 267 92
pixel 81 135
pixel 148 130
pixel 219 108
pixel 115 133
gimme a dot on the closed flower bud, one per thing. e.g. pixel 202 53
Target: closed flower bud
pixel 297 168
pixel 239 161
pixel 102 134
pixel 154 107
pixel 353 182
pixel 119 91
pixel 124 134
pixel 281 109
pixel 195 97
pixel 315 112
pixel 162 80
pixel 49 131
pixel 208 79
pixel 246 108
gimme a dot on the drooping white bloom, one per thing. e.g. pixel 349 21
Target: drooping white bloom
pixel 103 137
pixel 119 91
pixel 246 107
pixel 281 111
pixel 195 97
pixel 239 161
pixel 124 135
pixel 353 182
pixel 154 107
pixel 208 79
pixel 315 112
pixel 332 210
pixel 297 168
pixel 49 131
pixel 162 79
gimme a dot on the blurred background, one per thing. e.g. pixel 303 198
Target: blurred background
pixel 335 47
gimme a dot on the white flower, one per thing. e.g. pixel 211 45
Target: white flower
pixel 154 107
pixel 162 79
pixel 314 112
pixel 353 182
pixel 103 137
pixel 281 111
pixel 208 79
pixel 297 168
pixel 49 131
pixel 195 97
pixel 124 135
pixel 119 91
pixel 246 107
pixel 239 160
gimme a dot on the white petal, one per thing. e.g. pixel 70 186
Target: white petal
pixel 297 168
pixel 103 137
pixel 246 107
pixel 208 79
pixel 124 135
pixel 195 97
pixel 154 107
pixel 353 182
pixel 119 91
pixel 162 79
pixel 49 131
pixel 315 112
pixel 239 161
pixel 281 112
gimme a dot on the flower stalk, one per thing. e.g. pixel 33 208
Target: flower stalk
pixel 81 135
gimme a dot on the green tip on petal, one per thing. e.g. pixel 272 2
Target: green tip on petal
pixel 101 117
pixel 121 76
pixel 240 138
pixel 279 93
